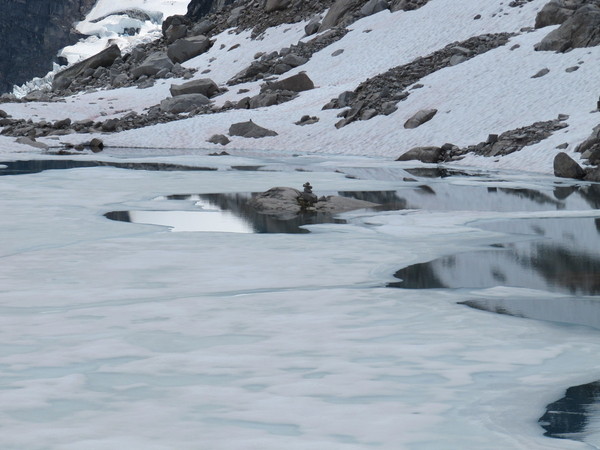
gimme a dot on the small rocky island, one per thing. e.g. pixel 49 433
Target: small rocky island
pixel 287 202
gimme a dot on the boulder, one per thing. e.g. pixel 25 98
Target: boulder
pixel 282 202
pixel 336 13
pixel 566 167
pixel 275 5
pixel 219 139
pixel 32 143
pixel 423 154
pixel 188 48
pixel 263 100
pixel 204 86
pixel 296 83
pixel 175 32
pixel 153 64
pixel 582 29
pixel 293 60
pixel 105 58
pixel 174 20
pixel 312 26
pixel 250 130
pixel 553 13
pixel 183 103
pixel 202 28
pixel 373 7
pixel 420 118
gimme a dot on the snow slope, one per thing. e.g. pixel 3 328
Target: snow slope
pixel 491 93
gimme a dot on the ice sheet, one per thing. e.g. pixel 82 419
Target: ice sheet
pixel 118 335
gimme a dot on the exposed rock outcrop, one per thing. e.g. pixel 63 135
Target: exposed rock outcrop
pixel 380 94
pixel 105 58
pixel 566 167
pixel 581 29
pixel 283 202
pixel 250 130
pixel 33 33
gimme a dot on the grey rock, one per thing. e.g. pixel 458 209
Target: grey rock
pixel 250 130
pixel 345 98
pixel 96 145
pixel 105 58
pixel 175 32
pixel 336 13
pixel 202 27
pixel 582 29
pixel 541 73
pixel 420 118
pixel 282 202
pixel 219 139
pixel 32 143
pixel 162 73
pixel 275 5
pixel 183 103
pixel 235 15
pixel 263 100
pixel 312 26
pixel 423 154
pixel 554 13
pixel 153 64
pixel 373 7
pixel 296 83
pixel 571 69
pixel 64 123
pixel 338 52
pixel 37 96
pixel 457 59
pixel 566 167
pixel 188 48
pixel 293 60
pixel 279 69
pixel 204 86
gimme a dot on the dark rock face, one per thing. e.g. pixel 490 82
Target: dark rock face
pixel 200 8
pixel 582 29
pixel 37 30
pixel 566 167
pixel 105 58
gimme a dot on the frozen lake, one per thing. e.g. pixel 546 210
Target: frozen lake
pixel 189 323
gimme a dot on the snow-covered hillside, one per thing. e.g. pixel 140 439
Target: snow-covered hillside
pixel 488 94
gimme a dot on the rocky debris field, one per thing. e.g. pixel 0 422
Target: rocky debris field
pixel 380 94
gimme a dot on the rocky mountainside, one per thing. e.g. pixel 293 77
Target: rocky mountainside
pixel 33 31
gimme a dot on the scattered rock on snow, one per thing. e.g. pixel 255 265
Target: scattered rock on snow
pixel 204 86
pixel 183 103
pixel 219 139
pixel 296 83
pixel 250 130
pixel 541 73
pixel 420 118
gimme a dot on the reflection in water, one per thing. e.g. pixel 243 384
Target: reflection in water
pixel 231 213
pixel 571 416
pixel 39 165
pixel 548 256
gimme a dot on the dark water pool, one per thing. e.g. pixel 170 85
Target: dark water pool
pixel 36 166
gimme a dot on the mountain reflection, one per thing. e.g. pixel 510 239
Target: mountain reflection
pixel 555 259
pixel 569 417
